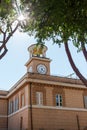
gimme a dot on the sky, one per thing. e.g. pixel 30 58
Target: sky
pixel 12 65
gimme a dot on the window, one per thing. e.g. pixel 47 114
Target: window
pixel 85 101
pixel 58 100
pixel 16 104
pixel 22 100
pixel 39 98
pixel 11 107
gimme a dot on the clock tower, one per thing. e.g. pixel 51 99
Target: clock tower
pixel 38 63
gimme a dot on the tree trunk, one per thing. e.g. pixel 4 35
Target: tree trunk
pixel 4 52
pixel 82 78
pixel 3 48
pixel 84 51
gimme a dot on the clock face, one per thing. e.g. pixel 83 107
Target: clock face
pixel 41 69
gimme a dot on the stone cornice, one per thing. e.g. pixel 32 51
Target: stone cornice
pixel 45 79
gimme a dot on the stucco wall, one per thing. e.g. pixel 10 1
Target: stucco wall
pixel 3 114
pixel 51 119
pixel 14 120
pixel 3 123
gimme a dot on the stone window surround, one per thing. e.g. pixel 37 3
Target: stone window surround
pixel 35 89
pixel 60 91
pixel 39 98
pixel 22 100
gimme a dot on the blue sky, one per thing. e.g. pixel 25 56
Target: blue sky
pixel 12 66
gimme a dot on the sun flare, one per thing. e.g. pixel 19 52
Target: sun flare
pixel 21 18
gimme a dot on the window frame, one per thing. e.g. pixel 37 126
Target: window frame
pixel 39 98
pixel 59 100
pixel 16 103
pixel 11 106
pixel 85 101
pixel 22 100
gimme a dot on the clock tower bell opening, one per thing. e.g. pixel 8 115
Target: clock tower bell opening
pixel 38 62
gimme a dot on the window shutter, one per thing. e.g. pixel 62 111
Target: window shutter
pixel 9 109
pixel 85 101
pixel 22 100
pixel 11 106
pixel 39 98
pixel 16 104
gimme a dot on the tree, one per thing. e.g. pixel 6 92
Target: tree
pixel 59 20
pixel 62 21
pixel 10 20
pixel 6 21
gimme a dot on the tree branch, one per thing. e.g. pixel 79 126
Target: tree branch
pixel 3 53
pixel 82 78
pixel 5 40
pixel 1 31
pixel 84 51
pixel 11 33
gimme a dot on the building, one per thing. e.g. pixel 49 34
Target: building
pixel 40 101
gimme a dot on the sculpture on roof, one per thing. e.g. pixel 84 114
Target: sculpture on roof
pixel 37 50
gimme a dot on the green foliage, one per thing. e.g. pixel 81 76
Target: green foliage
pixel 7 15
pixel 60 20
pixel 5 8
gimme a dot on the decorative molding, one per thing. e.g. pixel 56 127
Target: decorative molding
pixel 59 108
pixel 3 116
pixel 21 109
pixel 48 80
pixel 48 107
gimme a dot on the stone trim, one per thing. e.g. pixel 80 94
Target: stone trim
pixel 38 88
pixel 3 116
pixel 47 107
pixel 60 108
pixel 59 90
pixel 22 109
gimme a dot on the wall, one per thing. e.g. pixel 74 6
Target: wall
pixel 15 122
pixel 3 114
pixel 18 120
pixel 72 98
pixel 54 119
pixel 71 116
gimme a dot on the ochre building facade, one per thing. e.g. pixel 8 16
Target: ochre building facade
pixel 40 101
